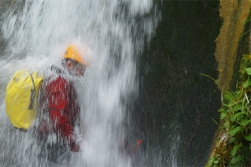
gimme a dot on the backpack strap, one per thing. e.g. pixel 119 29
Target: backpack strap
pixel 21 129
pixel 32 98
pixel 56 69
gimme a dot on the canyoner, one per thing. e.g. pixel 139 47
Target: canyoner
pixel 39 32
pixel 21 98
pixel 47 106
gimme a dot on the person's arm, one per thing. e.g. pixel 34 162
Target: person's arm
pixel 58 98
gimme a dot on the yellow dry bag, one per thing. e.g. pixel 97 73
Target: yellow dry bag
pixel 21 98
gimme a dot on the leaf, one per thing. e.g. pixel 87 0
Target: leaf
pixel 211 161
pixel 232 119
pixel 236 115
pixel 221 110
pixel 232 139
pixel 248 71
pixel 237 107
pixel 234 131
pixel 238 92
pixel 228 96
pixel 215 121
pixel 247 83
pixel 208 76
pixel 245 122
pixel 226 124
pixel 248 137
pixel 236 159
pixel 235 149
pixel 223 115
pixel 216 161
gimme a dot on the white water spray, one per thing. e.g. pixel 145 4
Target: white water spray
pixel 37 33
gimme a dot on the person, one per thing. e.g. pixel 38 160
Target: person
pixel 60 107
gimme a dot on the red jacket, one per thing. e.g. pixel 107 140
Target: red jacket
pixel 63 108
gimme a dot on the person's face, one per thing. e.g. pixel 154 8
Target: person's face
pixel 76 68
pixel 80 70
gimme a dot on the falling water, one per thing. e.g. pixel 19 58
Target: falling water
pixel 36 33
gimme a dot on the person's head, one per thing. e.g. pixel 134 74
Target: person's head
pixel 74 61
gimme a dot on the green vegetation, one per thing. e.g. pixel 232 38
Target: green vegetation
pixel 233 146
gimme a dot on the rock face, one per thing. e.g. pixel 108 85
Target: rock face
pixel 235 16
pixel 178 106
pixel 233 48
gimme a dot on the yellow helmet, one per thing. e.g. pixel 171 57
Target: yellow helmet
pixel 73 53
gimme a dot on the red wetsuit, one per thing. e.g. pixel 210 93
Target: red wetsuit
pixel 63 108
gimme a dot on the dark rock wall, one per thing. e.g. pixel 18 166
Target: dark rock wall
pixel 178 105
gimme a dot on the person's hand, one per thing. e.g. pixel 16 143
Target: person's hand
pixel 74 144
pixel 74 147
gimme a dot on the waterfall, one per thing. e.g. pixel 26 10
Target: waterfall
pixel 36 34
